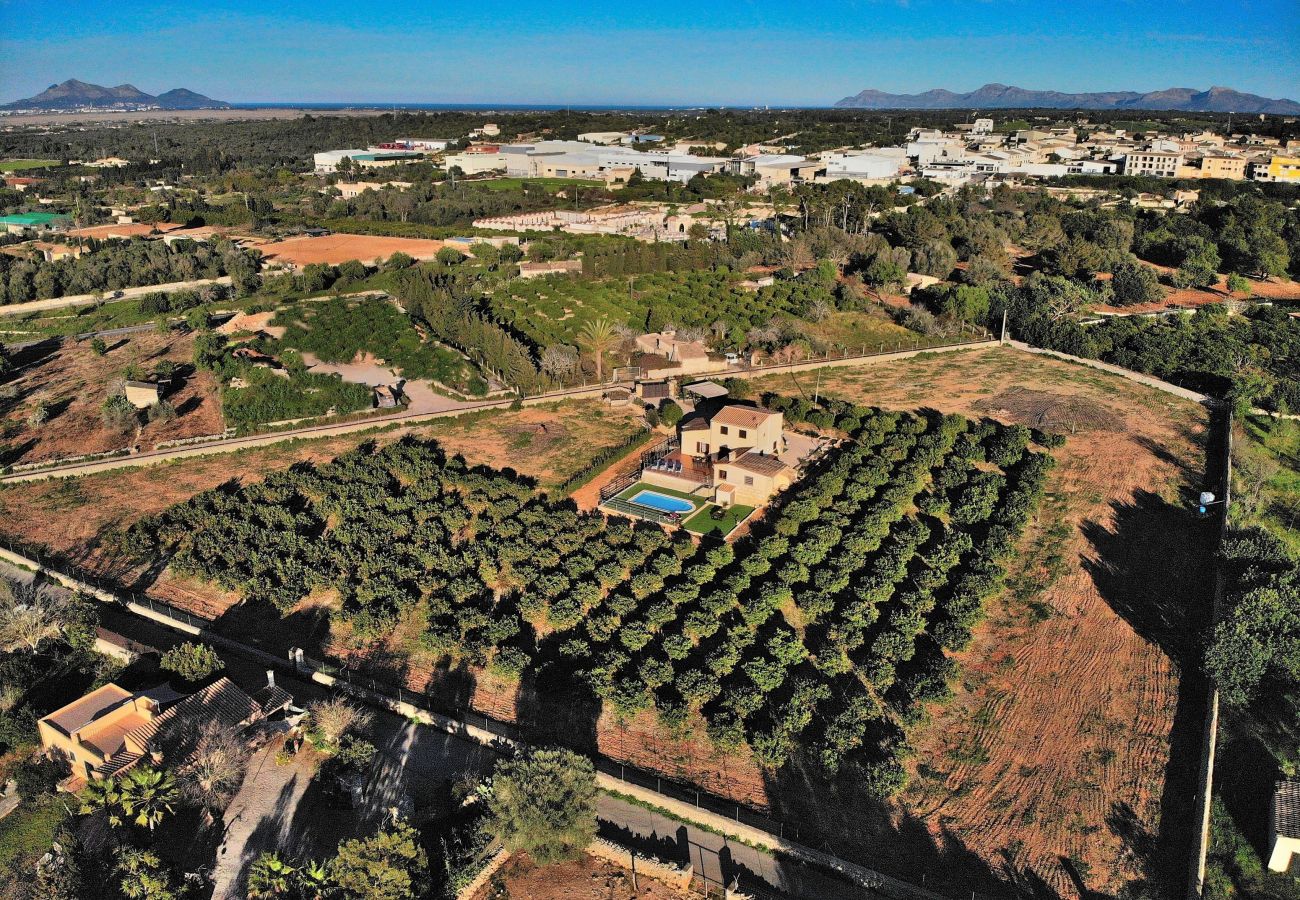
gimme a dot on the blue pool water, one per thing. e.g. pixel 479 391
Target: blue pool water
pixel 662 502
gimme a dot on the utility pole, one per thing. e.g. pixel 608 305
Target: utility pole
pixel 1004 326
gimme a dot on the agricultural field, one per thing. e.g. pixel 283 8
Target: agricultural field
pixel 515 184
pixel 1067 754
pixel 72 516
pixel 23 165
pixel 341 330
pixel 866 330
pixel 55 407
pixel 808 647
pixel 553 310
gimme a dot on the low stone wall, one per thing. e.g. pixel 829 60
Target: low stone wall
pixel 671 875
pixel 494 865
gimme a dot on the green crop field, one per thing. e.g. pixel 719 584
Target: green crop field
pixel 514 184
pixel 337 330
pixel 554 310
pixel 20 165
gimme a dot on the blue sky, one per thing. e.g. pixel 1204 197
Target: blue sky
pixel 662 52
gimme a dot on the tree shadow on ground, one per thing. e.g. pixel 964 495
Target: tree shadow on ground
pixel 842 818
pixel 1154 566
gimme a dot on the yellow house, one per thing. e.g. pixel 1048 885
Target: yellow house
pixel 750 478
pixel 731 454
pixel 1231 167
pixel 1280 168
pixel 733 427
pixel 111 729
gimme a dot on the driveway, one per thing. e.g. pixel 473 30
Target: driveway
pixel 261 817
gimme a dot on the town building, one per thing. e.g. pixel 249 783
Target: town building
pixel 1277 169
pixel 776 168
pixel 1153 163
pixel 21 223
pixel 879 164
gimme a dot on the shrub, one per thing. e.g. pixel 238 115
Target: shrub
pixel 118 413
pixel 191 662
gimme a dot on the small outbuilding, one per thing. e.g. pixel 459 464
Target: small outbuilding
pixel 1285 825
pixel 143 394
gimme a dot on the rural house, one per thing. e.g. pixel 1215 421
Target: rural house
pixel 733 452
pixel 111 729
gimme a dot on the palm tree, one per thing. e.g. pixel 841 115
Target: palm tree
pixel 313 880
pixel 148 795
pixel 270 877
pixel 102 794
pixel 599 336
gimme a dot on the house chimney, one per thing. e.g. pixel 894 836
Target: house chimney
pixel 270 678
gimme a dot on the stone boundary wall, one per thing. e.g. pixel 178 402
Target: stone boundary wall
pixel 671 875
pixel 494 865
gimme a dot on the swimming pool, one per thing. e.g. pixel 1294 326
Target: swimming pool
pixel 662 502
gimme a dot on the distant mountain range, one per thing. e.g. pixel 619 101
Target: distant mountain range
pixel 1001 96
pixel 74 94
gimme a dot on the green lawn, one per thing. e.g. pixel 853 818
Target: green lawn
pixel 18 165
pixel 703 523
pixel 27 832
pixel 700 522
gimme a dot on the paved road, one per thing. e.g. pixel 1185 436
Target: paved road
pixel 720 860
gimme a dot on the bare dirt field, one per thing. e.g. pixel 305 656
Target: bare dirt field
pixel 339 248
pixel 73 383
pixel 1064 757
pixel 586 878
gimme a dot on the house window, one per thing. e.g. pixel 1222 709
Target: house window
pixel 749 480
pixel 744 433
pixel 722 473
pixel 701 448
pixel 724 430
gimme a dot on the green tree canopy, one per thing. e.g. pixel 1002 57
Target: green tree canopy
pixel 543 803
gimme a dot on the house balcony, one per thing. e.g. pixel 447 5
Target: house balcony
pixel 679 470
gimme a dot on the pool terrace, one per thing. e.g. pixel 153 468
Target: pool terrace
pixel 702 519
